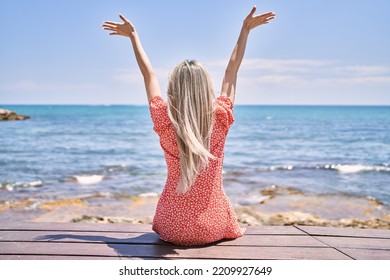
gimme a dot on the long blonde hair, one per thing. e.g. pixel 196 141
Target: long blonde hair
pixel 190 106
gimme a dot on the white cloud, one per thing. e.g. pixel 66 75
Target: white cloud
pixel 274 80
pixel 283 72
pixel 31 85
pixel 128 77
pixel 284 65
pixel 370 80
pixel 301 81
pixel 264 81
pixel 275 65
pixel 132 79
pixel 363 70
pixel 307 73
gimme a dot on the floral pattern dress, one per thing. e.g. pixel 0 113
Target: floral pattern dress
pixel 204 214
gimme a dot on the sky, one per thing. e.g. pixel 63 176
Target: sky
pixel 334 52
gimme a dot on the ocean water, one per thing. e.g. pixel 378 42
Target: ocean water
pixel 77 151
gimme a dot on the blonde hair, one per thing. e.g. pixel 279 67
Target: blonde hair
pixel 190 106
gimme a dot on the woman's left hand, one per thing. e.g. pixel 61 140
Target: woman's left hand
pixel 253 21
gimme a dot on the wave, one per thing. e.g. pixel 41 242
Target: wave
pixel 89 179
pixel 85 179
pixel 34 184
pixel 149 194
pixel 81 179
pixel 10 186
pixel 356 168
pixel 341 168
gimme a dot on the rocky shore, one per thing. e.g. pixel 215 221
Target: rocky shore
pixel 275 206
pixel 6 115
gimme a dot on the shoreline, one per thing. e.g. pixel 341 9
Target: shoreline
pixel 274 206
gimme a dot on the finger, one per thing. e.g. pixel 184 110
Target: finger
pixel 271 14
pixel 259 21
pixel 266 14
pixel 269 17
pixel 111 23
pixel 265 20
pixel 110 29
pixel 123 18
pixel 253 11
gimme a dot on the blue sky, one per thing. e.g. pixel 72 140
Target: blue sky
pixel 314 52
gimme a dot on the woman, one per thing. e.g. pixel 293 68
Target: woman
pixel 193 208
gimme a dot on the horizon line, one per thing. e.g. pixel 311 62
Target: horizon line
pixel 237 104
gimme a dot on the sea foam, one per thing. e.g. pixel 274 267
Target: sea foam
pixel 89 180
pixel 356 168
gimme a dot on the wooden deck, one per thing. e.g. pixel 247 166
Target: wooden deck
pixel 63 241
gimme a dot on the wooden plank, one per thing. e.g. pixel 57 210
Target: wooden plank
pixel 367 254
pixel 127 241
pixel 63 258
pixel 278 230
pixel 275 241
pixel 152 238
pixel 356 232
pixel 65 249
pixel 169 252
pixel 90 227
pixel 355 242
pixel 80 237
pixel 54 257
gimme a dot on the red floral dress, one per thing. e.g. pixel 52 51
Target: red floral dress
pixel 204 214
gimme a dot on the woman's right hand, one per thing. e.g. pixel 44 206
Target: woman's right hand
pixel 126 28
pixel 252 21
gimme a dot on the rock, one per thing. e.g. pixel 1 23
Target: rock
pixel 5 112
pixel 273 191
pixel 112 220
pixel 6 115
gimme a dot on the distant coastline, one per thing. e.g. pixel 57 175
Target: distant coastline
pixel 235 105
pixel 7 115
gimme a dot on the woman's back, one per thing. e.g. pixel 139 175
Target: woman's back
pixel 193 208
pixel 204 213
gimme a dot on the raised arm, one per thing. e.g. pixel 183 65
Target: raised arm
pixel 230 78
pixel 127 29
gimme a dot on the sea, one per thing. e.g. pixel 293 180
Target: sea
pixel 78 151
